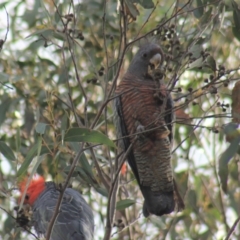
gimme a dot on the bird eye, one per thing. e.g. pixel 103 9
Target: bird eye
pixel 144 55
pixel 26 197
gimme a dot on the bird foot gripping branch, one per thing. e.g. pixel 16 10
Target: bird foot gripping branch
pixel 75 217
pixel 24 216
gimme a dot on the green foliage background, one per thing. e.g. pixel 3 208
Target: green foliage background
pixel 59 63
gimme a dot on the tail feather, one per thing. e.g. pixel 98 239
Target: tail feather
pixel 161 203
pixel 157 204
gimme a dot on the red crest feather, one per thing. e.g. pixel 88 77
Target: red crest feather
pixel 35 188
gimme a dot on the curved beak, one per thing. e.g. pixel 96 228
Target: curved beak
pixel 155 60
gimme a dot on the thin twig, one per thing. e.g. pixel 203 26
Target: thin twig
pixel 124 19
pixel 80 124
pixel 232 229
pixel 105 44
pixel 99 171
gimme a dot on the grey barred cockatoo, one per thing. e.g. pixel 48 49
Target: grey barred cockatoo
pixel 144 118
pixel 75 219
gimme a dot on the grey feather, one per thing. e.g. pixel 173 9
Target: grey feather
pixel 75 220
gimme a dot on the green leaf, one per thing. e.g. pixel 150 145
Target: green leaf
pixel 40 128
pixel 196 50
pixel 210 62
pixel 230 128
pixel 29 120
pixel 81 174
pixel 34 46
pixel 224 160
pixel 63 76
pixel 236 15
pixel 30 155
pixel 182 180
pixel 132 9
pixel 65 121
pixel 86 135
pixel 197 63
pixel 44 32
pixel 198 12
pixel 4 108
pixel 145 3
pixel 102 191
pixel 236 20
pixel 6 151
pixel 206 17
pixel 58 13
pixel 85 165
pixel 192 199
pixel 60 36
pixel 236 32
pixel 122 204
pixel 29 16
pixel 4 77
pixel 74 146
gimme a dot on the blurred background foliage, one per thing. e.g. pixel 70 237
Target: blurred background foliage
pixel 60 61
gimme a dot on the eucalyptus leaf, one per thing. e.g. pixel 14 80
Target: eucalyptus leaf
pixel 210 62
pixel 4 77
pixel 33 152
pixel 236 33
pixel 226 156
pixel 102 191
pixel 145 3
pixel 40 128
pixel 132 9
pixel 122 204
pixel 6 151
pixel 4 106
pixel 87 135
pixel 197 63
pixel 46 32
pixel 199 10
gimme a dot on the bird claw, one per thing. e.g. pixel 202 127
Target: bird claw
pixel 140 128
pixel 140 131
pixel 156 74
pixel 24 216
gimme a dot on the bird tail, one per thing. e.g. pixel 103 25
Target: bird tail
pixel 161 203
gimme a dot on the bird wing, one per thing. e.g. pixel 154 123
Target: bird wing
pixel 122 132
